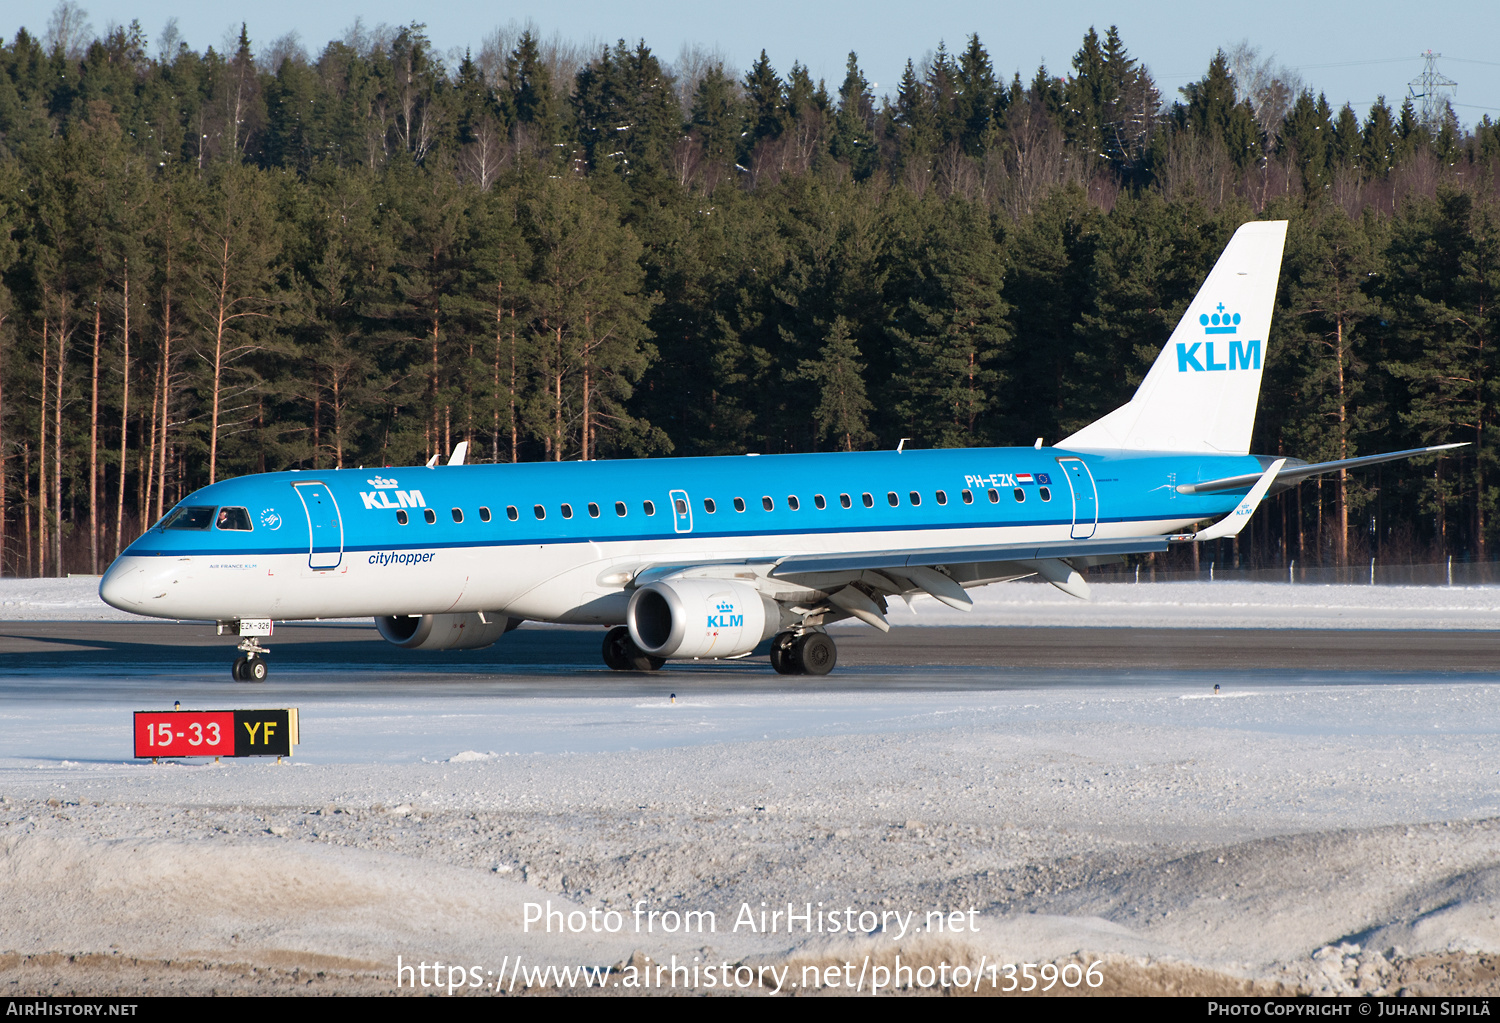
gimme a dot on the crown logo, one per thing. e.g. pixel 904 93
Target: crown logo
pixel 380 483
pixel 725 607
pixel 1220 322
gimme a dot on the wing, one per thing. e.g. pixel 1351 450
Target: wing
pixel 821 588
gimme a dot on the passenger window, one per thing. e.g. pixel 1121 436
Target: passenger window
pixel 539 511
pixel 1020 496
pixel 620 508
pixel 894 500
pixel 593 510
pixel 792 503
pixel 430 516
pixel 1046 493
pixel 994 496
pixel 458 514
pixel 869 501
pixel 190 518
pixel 968 496
pixel 567 511
pixel 818 502
pixel 235 518
pixel 708 505
pixel 401 518
pixel 511 513
pixel 767 504
pixel 739 504
pixel 680 505
pixel 649 507
pixel 916 499
pixel 942 498
pixel 484 514
pixel 844 500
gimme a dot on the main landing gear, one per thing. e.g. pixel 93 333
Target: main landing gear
pixel 812 653
pixel 621 653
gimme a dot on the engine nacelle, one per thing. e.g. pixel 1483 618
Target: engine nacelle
pixel 444 632
pixel 700 618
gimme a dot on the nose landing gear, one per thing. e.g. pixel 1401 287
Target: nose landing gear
pixel 251 666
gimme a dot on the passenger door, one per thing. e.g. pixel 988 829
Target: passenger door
pixel 325 527
pixel 1085 497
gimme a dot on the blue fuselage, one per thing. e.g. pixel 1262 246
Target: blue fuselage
pixel 539 540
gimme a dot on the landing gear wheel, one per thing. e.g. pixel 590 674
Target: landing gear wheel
pixel 783 656
pixel 621 653
pixel 815 653
pixel 617 648
pixel 256 670
pixel 238 671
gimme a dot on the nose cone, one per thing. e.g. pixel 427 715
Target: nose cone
pixel 123 585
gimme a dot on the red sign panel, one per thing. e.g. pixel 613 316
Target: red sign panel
pixel 186 733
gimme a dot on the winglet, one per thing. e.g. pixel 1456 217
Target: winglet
pixel 1231 524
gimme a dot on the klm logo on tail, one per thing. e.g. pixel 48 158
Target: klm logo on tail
pixel 1241 355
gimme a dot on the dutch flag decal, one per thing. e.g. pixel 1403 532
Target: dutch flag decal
pixel 1024 479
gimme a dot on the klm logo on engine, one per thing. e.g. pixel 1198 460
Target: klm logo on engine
pixel 381 497
pixel 726 618
pixel 1199 357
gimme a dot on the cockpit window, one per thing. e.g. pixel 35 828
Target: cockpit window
pixel 234 518
pixel 195 517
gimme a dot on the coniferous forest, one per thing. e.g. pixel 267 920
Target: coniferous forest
pixel 216 263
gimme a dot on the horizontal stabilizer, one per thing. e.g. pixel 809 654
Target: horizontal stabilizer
pixel 1298 473
pixel 1231 524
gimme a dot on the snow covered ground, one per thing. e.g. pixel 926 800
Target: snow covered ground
pixel 1297 832
pixel 1318 834
pixel 1184 604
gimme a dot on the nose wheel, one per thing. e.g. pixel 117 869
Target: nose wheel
pixel 251 665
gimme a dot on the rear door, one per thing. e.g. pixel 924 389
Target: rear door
pixel 325 527
pixel 1085 497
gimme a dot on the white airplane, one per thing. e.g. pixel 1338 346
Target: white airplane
pixel 711 557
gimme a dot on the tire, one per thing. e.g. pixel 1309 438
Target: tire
pixel 783 657
pixel 617 647
pixel 238 670
pixel 621 653
pixel 256 670
pixel 816 654
pixel 639 660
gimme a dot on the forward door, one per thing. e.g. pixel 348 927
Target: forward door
pixel 325 527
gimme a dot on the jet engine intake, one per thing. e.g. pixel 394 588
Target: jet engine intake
pixel 444 632
pixel 700 618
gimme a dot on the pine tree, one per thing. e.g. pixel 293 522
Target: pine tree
pixel 843 410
